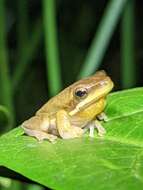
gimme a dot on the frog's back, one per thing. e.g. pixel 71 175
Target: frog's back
pixel 65 99
pixel 56 103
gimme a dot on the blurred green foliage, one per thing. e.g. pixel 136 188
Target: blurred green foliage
pixel 46 45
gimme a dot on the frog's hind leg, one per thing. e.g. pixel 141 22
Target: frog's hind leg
pixel 40 135
pixel 37 127
pixel 65 129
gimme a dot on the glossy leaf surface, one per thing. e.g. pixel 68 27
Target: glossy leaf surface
pixel 114 161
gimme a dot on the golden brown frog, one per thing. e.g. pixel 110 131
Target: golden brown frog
pixel 73 110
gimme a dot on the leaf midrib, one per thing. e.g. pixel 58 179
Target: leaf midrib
pixel 125 115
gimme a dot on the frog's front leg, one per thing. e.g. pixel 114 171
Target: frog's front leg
pixel 65 129
pixel 101 130
pixel 37 127
pixel 95 124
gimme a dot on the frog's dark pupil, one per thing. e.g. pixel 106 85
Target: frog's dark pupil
pixel 80 93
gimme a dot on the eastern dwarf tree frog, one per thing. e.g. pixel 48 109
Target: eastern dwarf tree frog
pixel 73 110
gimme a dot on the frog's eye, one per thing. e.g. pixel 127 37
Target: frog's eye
pixel 81 93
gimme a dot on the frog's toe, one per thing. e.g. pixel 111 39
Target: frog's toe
pixel 40 135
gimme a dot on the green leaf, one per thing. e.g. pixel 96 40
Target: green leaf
pixel 115 160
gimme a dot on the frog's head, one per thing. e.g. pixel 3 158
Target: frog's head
pixel 89 90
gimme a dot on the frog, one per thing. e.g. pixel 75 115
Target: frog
pixel 73 111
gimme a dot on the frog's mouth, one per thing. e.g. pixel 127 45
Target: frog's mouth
pixel 92 98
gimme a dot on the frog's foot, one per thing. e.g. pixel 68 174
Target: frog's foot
pixel 102 117
pixel 65 129
pixel 40 135
pixel 101 130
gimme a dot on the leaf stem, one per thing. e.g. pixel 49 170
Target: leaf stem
pixel 27 53
pixel 102 38
pixel 5 81
pixel 128 66
pixel 51 47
